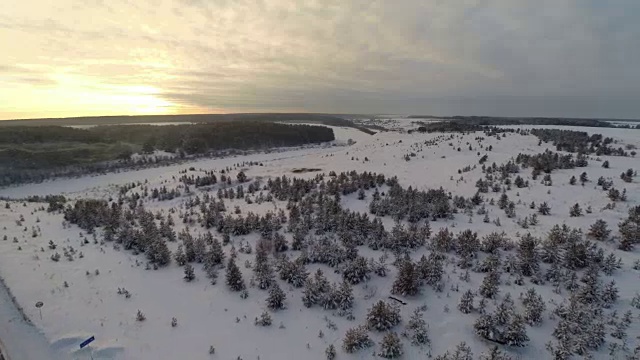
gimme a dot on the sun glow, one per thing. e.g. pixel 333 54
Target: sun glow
pixel 72 95
pixel 138 100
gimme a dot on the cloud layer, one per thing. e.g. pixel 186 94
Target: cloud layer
pixel 482 57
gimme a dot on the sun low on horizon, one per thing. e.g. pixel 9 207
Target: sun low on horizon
pixel 505 58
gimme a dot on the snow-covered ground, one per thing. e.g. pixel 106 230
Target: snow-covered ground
pixel 210 315
pixel 18 337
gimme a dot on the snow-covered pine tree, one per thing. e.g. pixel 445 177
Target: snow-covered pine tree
pixel 199 249
pixel 344 296
pixel 179 256
pixel 264 319
pixel 329 298
pixel 534 306
pixel 466 302
pixel 390 346
pixel 528 258
pixel 416 329
pixel 310 293
pixel 442 241
pixel 544 209
pixel 489 287
pixel 189 273
pixel 216 254
pixel 504 311
pixel 431 268
pixel 264 275
pixel 462 352
pixel 485 327
pixel 575 210
pixel 263 271
pixel 356 270
pixel 503 201
pixel 158 253
pixel 319 292
pixel 515 333
pixel 599 230
pixel 234 276
pixel 293 272
pixel 466 246
pixel 361 194
pixel 330 352
pixel 584 178
pixel 383 316
pixel 355 339
pixel 494 354
pixel 610 264
pixel 407 283
pixel 279 242
pixel 609 294
pixel 276 298
pixel 630 230
pixel 189 245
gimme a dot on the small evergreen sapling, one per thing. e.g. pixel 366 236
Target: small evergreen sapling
pixel 416 329
pixel 330 352
pixel 264 320
pixel 575 210
pixel 189 273
pixel 544 208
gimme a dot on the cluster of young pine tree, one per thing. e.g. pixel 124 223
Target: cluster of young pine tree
pixel 579 142
pixel 324 232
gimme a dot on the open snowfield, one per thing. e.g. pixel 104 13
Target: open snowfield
pixel 81 300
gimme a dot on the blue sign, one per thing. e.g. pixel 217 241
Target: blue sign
pixel 87 342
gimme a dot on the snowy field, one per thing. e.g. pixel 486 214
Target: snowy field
pixel 80 295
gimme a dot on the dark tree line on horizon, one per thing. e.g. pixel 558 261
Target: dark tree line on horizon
pixel 32 154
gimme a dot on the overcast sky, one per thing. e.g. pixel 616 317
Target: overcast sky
pixel 573 58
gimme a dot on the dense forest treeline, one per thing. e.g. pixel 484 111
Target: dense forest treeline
pixel 191 138
pixel 490 120
pixel 34 153
pixel 199 138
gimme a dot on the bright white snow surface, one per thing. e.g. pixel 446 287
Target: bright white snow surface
pixel 211 315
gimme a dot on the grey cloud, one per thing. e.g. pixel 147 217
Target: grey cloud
pixel 502 57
